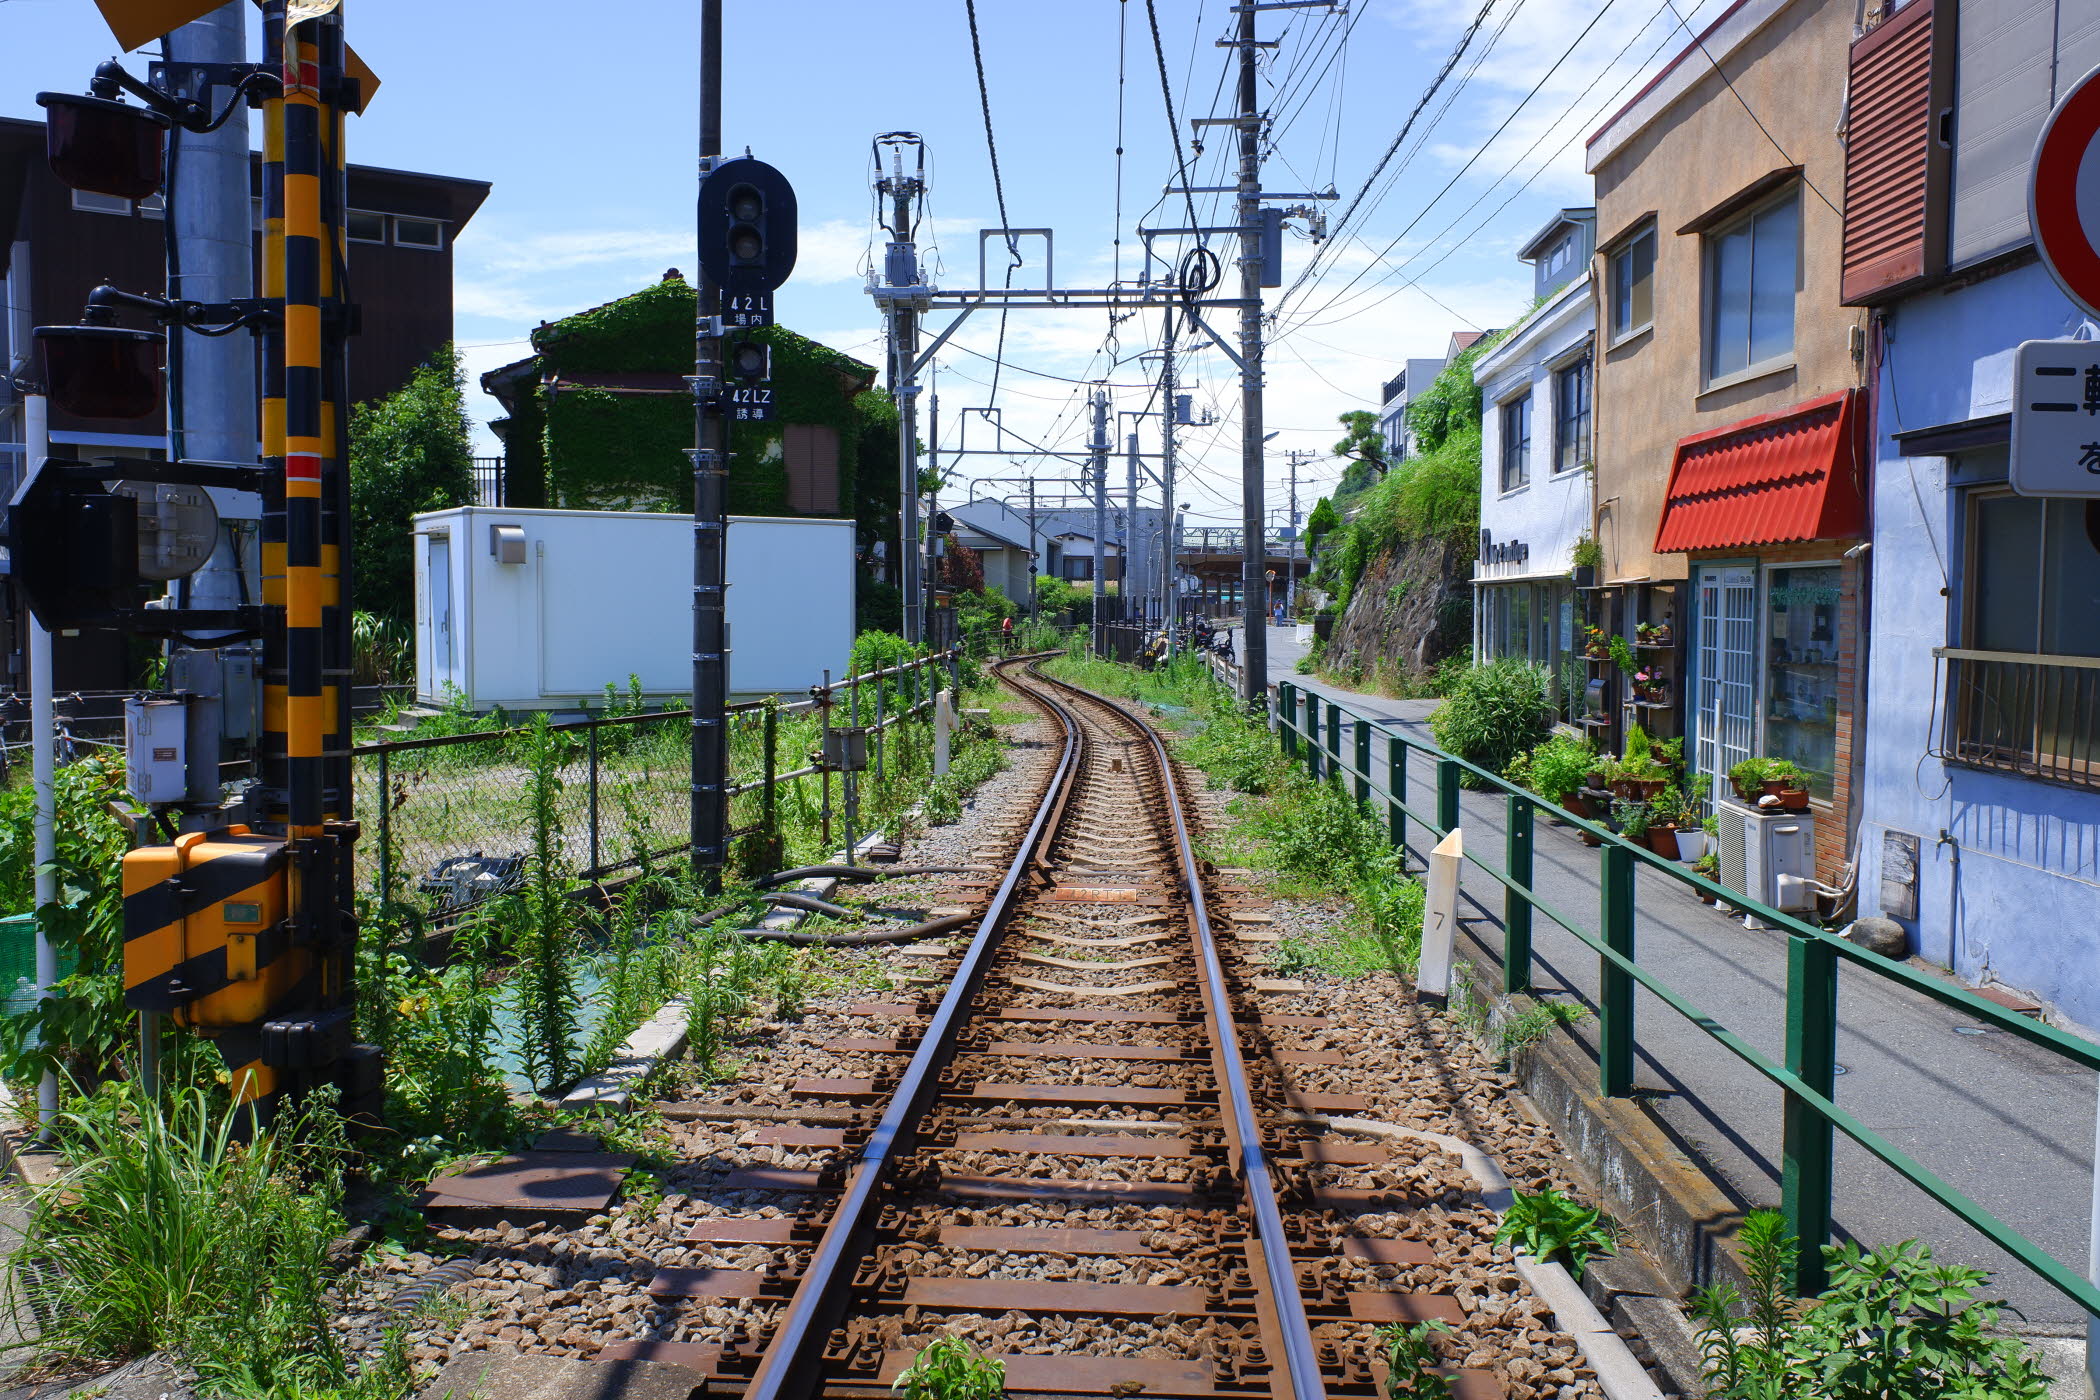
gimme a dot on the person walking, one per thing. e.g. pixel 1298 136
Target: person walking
pixel 1006 637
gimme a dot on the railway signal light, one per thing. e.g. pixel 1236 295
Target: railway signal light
pixel 102 371
pixel 749 369
pixel 747 226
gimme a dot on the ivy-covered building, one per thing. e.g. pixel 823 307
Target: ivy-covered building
pixel 600 418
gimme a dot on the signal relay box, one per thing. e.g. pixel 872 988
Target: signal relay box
pixel 205 932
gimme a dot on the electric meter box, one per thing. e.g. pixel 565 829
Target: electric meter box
pixel 156 748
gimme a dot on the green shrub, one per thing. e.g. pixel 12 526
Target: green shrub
pixel 1553 1224
pixel 1891 1325
pixel 1495 713
pixel 169 1232
pixel 1555 768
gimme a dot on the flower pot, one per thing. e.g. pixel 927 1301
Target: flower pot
pixel 1585 575
pixel 1705 898
pixel 1589 839
pixel 1574 804
pixel 1597 779
pixel 1662 839
pixel 1793 799
pixel 1691 843
pixel 1645 789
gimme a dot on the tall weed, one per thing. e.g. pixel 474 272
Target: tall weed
pixel 541 922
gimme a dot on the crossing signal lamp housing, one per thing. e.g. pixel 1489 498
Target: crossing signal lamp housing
pixel 747 226
pixel 102 371
pixel 104 146
pixel 749 370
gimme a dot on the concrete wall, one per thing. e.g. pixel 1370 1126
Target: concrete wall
pixel 2012 892
pixel 1552 510
pixel 1788 62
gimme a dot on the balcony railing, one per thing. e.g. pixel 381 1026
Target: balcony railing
pixel 2038 716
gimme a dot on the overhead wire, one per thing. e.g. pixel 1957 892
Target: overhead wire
pixel 1013 251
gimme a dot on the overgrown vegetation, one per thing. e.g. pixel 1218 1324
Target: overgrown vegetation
pixel 1411 1359
pixel 1892 1325
pixel 1553 1225
pixel 1494 714
pixel 170 1231
pixel 951 1368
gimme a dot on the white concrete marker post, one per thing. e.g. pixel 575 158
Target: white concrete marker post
pixel 943 726
pixel 1440 916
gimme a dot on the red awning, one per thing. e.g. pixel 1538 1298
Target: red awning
pixel 1798 474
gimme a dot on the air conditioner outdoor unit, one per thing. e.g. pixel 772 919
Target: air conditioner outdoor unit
pixel 1757 848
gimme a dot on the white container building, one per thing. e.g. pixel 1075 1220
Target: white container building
pixel 540 609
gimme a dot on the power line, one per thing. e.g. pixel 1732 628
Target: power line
pixel 1013 252
pixel 1700 40
pixel 1481 150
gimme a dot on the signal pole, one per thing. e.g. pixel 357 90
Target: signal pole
pixel 707 838
pixel 1254 677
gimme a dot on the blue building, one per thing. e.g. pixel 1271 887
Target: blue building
pixel 1980 777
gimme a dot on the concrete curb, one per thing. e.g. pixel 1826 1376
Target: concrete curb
pixel 1619 1372
pixel 663 1036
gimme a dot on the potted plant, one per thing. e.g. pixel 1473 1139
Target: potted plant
pixel 1632 819
pixel 1709 866
pixel 1557 768
pixel 1653 634
pixel 1651 684
pixel 1662 822
pixel 1692 823
pixel 1621 655
pixel 1595 645
pixel 1589 557
pixel 1748 778
pixel 1638 776
pixel 1787 783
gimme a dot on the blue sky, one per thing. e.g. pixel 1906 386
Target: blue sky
pixel 583 118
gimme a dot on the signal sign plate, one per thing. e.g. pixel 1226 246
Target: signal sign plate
pixel 744 310
pixel 751 405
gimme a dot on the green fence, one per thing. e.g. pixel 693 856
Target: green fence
pixel 447 822
pixel 1335 743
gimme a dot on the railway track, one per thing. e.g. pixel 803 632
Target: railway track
pixel 1079 1146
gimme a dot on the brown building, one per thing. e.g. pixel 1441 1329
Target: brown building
pixel 1730 422
pixel 57 244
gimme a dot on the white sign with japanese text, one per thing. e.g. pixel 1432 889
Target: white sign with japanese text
pixel 2056 418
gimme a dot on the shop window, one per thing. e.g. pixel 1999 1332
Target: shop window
pixel 1752 274
pixel 1633 286
pixel 1571 416
pixel 2024 685
pixel 1516 443
pixel 1802 628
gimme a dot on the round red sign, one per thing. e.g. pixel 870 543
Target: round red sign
pixel 2063 193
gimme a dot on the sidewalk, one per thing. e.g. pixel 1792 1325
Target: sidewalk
pixel 2004 1122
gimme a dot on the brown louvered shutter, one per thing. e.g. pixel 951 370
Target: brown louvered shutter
pixel 810 453
pixel 1895 165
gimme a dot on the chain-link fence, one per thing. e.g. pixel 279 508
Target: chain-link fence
pixel 448 821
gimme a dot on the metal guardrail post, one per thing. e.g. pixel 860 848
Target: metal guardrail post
pixel 1811 1053
pixel 591 746
pixel 1363 760
pixel 1447 771
pixel 1516 908
pixel 386 830
pixel 881 688
pixel 1334 739
pixel 1312 734
pixel 1396 784
pixel 1615 999
pixel 1287 718
pixel 769 796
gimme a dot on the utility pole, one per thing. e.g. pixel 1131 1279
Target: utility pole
pixel 1297 457
pixel 933 497
pixel 209 227
pixel 1254 656
pixel 1099 470
pixel 901 269
pixel 1169 599
pixel 1137 573
pixel 709 835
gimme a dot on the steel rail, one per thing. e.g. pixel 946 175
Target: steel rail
pixel 790 1362
pixel 1301 1360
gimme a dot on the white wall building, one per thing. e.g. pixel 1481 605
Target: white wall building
pixel 1536 416
pixel 541 609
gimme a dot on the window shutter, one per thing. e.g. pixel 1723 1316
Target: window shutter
pixel 810 452
pixel 2006 49
pixel 1895 168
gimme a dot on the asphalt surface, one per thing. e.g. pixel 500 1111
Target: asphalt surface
pixel 2008 1124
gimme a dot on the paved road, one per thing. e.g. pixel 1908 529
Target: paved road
pixel 2007 1123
